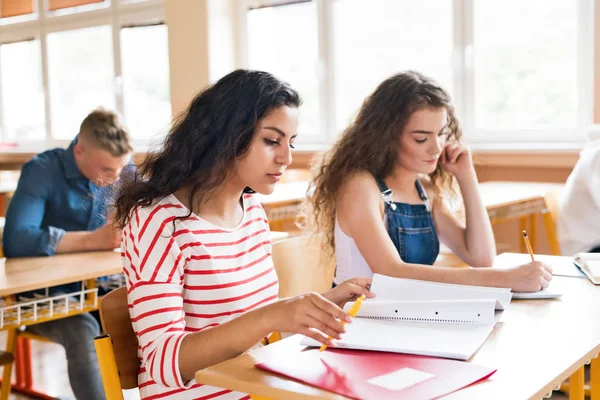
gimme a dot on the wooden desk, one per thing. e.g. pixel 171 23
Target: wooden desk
pixel 523 201
pixel 284 203
pixel 23 274
pixel 535 346
pixel 285 194
pixel 497 194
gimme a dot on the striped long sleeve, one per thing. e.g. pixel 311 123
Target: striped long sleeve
pixel 186 275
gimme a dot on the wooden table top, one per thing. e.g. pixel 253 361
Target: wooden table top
pixel 30 273
pixel 499 193
pixel 285 193
pixel 536 345
pixel 493 193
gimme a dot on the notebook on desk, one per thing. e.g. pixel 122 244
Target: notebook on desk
pixel 375 375
pixel 424 318
pixel 589 264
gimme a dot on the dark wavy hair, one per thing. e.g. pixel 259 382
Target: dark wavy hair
pixel 368 143
pixel 205 140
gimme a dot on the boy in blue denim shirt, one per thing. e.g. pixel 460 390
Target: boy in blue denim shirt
pixel 60 207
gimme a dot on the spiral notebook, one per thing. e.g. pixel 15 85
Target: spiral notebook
pixel 424 318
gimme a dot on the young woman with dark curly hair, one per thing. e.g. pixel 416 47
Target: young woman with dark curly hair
pixel 196 246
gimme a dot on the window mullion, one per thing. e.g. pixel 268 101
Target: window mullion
pixel 468 68
pixel 241 35
pixel 118 78
pixel 45 70
pixel 326 72
pixel 585 62
pixel 458 60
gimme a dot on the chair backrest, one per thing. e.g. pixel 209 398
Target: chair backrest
pixel 302 266
pixel 114 313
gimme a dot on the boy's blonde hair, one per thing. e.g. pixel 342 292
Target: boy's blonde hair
pixel 103 129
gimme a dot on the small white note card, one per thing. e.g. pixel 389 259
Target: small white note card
pixel 400 379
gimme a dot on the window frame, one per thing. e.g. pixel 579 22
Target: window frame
pixel 114 13
pixel 463 81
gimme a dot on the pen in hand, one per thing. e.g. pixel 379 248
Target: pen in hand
pixel 526 239
pixel 352 312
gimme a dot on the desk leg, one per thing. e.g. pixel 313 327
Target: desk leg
pixel 89 298
pixel 551 233
pixel 576 385
pixel 23 369
pixel 11 344
pixel 595 379
pixel 23 364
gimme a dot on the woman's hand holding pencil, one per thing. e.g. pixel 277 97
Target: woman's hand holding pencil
pixel 529 277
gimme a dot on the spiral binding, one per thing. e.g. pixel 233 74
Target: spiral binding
pixel 418 319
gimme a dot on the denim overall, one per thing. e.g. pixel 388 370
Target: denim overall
pixel 410 227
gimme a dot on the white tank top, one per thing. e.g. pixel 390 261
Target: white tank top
pixel 350 262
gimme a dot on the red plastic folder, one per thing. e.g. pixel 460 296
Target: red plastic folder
pixel 377 375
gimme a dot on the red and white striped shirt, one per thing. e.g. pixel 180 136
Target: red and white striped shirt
pixel 190 277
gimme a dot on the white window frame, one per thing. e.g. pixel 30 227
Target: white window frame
pixel 463 81
pixel 114 13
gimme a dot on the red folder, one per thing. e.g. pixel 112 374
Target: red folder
pixel 377 375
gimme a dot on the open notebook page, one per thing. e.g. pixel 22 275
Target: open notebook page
pixel 389 288
pixel 449 328
pixel 430 339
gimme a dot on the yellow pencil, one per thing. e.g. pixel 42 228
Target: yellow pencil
pixel 352 312
pixel 526 238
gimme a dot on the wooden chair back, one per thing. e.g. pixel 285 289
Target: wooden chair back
pixel 114 313
pixel 302 266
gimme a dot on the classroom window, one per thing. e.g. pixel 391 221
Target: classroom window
pixel 526 75
pixel 145 60
pixel 81 77
pixel 22 91
pixel 86 54
pixel 517 71
pixel 283 40
pixel 368 50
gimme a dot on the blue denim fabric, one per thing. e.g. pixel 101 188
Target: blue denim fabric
pixel 411 227
pixel 52 198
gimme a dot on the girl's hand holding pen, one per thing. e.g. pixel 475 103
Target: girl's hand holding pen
pixel 350 290
pixel 310 314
